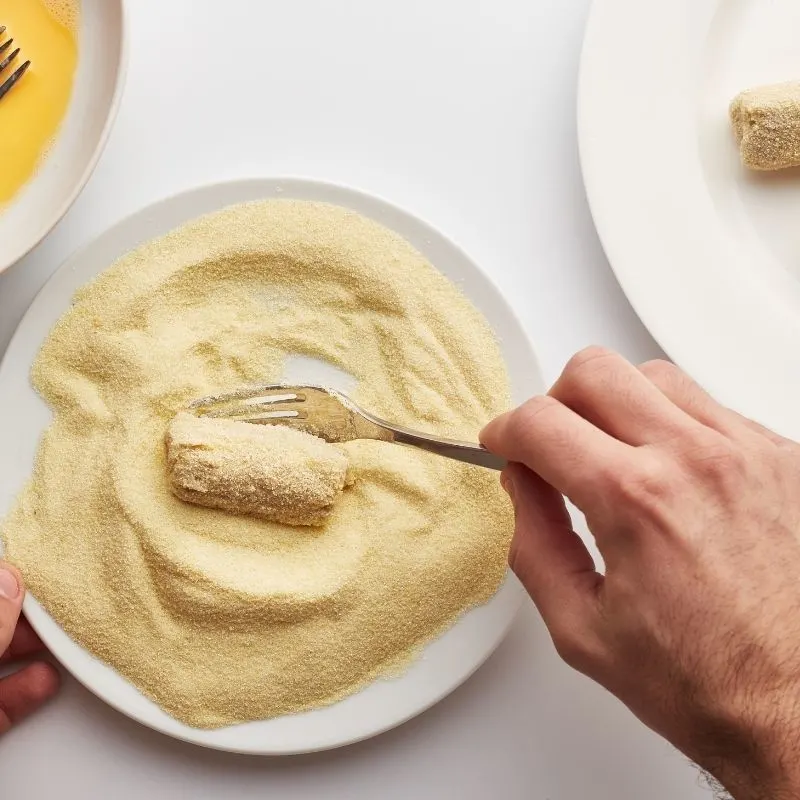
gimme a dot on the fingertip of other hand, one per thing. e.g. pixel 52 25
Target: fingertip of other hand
pixel 43 680
pixel 23 692
pixel 12 587
pixel 34 685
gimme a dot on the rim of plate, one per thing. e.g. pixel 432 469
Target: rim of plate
pixel 690 281
pixel 446 662
pixel 116 100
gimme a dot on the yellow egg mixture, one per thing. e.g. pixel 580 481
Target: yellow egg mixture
pixel 32 112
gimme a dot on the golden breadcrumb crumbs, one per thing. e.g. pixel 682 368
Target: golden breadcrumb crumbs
pixel 221 618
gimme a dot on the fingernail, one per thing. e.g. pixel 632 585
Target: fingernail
pixel 9 586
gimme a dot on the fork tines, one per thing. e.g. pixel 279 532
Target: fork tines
pixel 252 403
pixel 17 73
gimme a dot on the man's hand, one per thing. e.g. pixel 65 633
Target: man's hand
pixel 696 511
pixel 24 691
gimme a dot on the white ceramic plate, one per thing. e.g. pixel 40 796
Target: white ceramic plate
pixel 446 663
pixel 707 253
pixel 96 95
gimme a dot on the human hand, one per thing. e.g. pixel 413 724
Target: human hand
pixel 695 625
pixel 24 691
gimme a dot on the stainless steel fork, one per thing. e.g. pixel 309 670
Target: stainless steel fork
pixel 332 416
pixel 12 79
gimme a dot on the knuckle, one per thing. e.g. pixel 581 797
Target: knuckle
pixel 590 357
pixel 529 414
pixel 721 463
pixel 647 484
pixel 590 366
pixel 658 370
pixel 591 354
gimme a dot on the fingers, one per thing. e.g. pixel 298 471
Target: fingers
pixel 611 393
pixel 559 445
pixel 553 564
pixel 685 393
pixel 547 555
pixel 24 643
pixel 11 594
pixel 25 691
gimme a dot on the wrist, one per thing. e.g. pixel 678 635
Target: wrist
pixel 768 770
pixel 760 787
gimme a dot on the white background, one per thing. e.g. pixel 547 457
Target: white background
pixel 463 112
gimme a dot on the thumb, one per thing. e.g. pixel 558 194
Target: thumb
pixel 11 595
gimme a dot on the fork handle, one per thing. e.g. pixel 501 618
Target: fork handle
pixel 449 448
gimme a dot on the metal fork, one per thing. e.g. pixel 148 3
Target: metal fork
pixel 17 73
pixel 332 416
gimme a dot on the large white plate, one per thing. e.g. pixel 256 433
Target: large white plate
pixel 446 663
pixel 707 253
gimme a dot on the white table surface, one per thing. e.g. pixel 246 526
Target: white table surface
pixel 462 111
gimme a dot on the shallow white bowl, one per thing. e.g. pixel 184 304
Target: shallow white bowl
pixel 96 96
pixel 445 663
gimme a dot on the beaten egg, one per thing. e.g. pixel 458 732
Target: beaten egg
pixel 32 112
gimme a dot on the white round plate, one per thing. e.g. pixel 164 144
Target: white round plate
pixel 96 95
pixel 446 663
pixel 707 252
